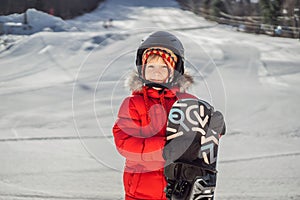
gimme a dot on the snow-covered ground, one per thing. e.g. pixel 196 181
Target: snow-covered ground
pixel 60 92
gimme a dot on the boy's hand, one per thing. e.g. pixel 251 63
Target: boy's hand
pixel 185 147
pixel 217 123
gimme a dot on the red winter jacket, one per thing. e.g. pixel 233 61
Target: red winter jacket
pixel 139 134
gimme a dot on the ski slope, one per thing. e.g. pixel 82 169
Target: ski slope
pixel 61 88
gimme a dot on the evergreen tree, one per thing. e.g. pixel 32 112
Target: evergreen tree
pixel 270 10
pixel 216 7
pixel 206 5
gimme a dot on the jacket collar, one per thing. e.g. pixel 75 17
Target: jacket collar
pixel 154 93
pixel 135 84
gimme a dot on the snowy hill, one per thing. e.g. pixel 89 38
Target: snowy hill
pixel 61 90
pixel 36 21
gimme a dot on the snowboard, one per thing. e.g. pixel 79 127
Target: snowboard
pixel 191 151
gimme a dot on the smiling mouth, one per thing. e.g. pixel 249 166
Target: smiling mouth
pixel 157 81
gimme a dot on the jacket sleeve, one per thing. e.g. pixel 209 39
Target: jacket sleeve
pixel 128 136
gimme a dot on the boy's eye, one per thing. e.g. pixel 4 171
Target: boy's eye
pixel 150 66
pixel 164 67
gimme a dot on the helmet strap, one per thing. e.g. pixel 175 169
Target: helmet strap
pixel 157 85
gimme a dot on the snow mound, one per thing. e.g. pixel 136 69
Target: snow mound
pixel 37 21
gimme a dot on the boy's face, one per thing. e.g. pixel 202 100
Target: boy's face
pixel 156 70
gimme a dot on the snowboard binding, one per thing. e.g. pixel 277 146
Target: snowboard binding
pixel 202 187
pixel 202 190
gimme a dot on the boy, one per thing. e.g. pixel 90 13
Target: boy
pixel 140 130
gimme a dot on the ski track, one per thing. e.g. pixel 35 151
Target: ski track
pixel 52 197
pixel 259 158
pixel 37 68
pixel 53 138
pixel 110 136
pixel 25 73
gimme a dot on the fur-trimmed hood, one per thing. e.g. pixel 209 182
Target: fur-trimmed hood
pixel 134 83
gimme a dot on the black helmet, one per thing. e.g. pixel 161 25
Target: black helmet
pixel 166 40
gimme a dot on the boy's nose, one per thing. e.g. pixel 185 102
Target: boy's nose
pixel 157 71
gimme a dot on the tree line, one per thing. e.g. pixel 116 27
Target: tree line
pixel 252 15
pixel 65 9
